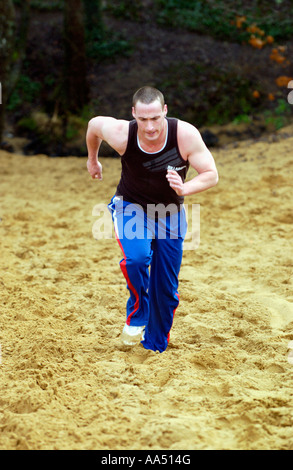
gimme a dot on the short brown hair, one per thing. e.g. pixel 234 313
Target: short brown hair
pixel 147 95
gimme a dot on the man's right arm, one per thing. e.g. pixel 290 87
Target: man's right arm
pixel 93 142
pixel 112 131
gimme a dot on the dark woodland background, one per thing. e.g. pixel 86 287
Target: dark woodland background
pixel 224 66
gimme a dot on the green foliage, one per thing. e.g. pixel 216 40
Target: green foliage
pixel 102 42
pixel 109 48
pixel 76 125
pixel 25 92
pixel 215 95
pixel 27 123
pixel 195 16
pixel 126 9
pixel 43 5
pixel 216 17
pixel 242 118
pixel 281 29
pixel 280 115
pixel 47 4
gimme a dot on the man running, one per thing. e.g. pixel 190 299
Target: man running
pixel 156 152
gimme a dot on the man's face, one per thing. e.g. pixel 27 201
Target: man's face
pixel 150 119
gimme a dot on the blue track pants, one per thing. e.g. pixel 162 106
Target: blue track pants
pixel 152 253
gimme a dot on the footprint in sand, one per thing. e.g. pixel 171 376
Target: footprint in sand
pixel 290 354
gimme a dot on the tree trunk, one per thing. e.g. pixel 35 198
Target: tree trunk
pixel 20 43
pixel 13 42
pixel 75 81
pixel 7 30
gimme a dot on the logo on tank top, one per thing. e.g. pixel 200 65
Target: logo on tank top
pixel 176 168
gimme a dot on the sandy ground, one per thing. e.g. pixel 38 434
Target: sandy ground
pixel 224 382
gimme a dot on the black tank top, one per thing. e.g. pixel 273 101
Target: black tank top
pixel 143 176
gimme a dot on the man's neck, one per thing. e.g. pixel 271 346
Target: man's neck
pixel 157 144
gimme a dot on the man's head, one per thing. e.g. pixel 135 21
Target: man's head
pixel 149 110
pixel 147 95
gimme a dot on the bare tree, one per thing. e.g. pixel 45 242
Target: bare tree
pixel 7 31
pixel 75 69
pixel 13 40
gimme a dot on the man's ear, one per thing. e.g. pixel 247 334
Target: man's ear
pixel 165 109
pixel 133 112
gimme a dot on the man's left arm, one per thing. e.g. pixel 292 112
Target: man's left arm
pixel 193 149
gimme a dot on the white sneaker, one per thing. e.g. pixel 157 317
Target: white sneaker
pixel 131 335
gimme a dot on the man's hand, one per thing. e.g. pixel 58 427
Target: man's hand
pixel 175 181
pixel 95 169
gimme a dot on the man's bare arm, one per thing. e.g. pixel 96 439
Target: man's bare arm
pixel 109 129
pixel 93 142
pixel 193 149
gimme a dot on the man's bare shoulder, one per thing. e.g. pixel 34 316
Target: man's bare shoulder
pixel 111 130
pixel 189 138
pixel 185 129
pixel 108 124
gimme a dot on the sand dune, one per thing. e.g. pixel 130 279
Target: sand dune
pixel 224 382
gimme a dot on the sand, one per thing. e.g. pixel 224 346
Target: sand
pixel 224 382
